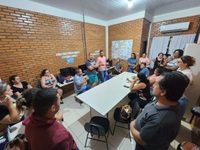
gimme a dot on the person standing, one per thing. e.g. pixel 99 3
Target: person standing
pixel 91 65
pixel 42 121
pixel 158 124
pixel 132 63
pixel 101 61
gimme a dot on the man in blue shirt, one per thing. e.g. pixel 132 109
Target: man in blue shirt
pixel 143 69
pixel 80 82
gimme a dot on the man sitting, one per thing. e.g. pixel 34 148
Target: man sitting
pixel 42 130
pixel 80 82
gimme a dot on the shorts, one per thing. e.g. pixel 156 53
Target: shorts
pixel 93 78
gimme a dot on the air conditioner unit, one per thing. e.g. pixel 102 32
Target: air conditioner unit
pixel 177 27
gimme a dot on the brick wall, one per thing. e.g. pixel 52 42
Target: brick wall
pixel 30 40
pixel 194 21
pixel 136 30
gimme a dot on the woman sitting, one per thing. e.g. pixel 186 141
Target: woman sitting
pixel 48 80
pixel 25 103
pixel 118 67
pixel 157 72
pixel 140 92
pixel 9 114
pixel 17 86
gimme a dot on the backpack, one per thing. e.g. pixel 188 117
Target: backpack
pixel 60 79
pixel 18 143
pixel 125 112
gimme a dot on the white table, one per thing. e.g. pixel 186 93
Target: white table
pixel 105 96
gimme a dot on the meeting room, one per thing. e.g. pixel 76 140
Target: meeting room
pixel 100 74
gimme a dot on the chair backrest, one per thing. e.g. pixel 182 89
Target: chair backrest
pixel 117 117
pixel 95 129
pixel 39 84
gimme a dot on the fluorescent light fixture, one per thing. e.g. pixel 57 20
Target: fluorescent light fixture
pixel 130 3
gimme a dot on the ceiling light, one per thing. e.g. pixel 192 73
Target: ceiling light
pixel 130 3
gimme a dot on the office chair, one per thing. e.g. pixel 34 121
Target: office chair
pixel 97 126
pixel 134 113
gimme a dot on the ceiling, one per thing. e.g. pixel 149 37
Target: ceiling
pixel 111 9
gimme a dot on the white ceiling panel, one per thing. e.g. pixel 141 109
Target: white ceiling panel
pixel 111 9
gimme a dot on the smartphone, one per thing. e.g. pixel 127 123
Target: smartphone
pixel 126 86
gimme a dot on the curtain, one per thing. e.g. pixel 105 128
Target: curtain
pixel 180 41
pixel 159 45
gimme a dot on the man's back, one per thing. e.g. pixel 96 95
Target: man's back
pixel 44 133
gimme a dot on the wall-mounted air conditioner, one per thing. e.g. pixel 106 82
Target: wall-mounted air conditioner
pixel 177 27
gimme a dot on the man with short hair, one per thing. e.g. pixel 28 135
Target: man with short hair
pixel 80 82
pixel 158 125
pixel 91 70
pixel 101 61
pixel 42 130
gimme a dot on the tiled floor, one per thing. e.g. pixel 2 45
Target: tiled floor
pixel 76 115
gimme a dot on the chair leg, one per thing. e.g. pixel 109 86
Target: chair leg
pixel 129 132
pixel 106 142
pixel 114 128
pixel 86 139
pixel 192 118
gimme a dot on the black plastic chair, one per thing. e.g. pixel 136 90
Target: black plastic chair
pixel 134 113
pixel 195 112
pixel 97 126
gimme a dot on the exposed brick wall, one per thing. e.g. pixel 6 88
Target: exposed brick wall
pixel 30 40
pixel 135 30
pixel 194 21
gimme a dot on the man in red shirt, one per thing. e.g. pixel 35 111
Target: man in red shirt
pixel 42 129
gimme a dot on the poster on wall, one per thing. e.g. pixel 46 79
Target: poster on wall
pixel 70 60
pixel 122 49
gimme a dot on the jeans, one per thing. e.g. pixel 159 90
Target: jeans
pixel 103 75
pixel 183 101
pixel 87 88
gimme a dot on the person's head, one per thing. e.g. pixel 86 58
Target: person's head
pixel 14 79
pixel 78 71
pixel 178 53
pixel 101 53
pixel 118 60
pixel 28 96
pixel 143 65
pixel 160 55
pixel 158 71
pixel 186 61
pixel 90 56
pixel 142 77
pixel 5 90
pixel 165 56
pixel 170 85
pixel 133 56
pixel 45 72
pixel 144 55
pixel 46 102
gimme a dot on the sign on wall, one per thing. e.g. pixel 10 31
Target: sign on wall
pixel 122 49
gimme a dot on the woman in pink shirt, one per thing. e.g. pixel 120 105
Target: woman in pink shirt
pixel 144 59
pixel 101 61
